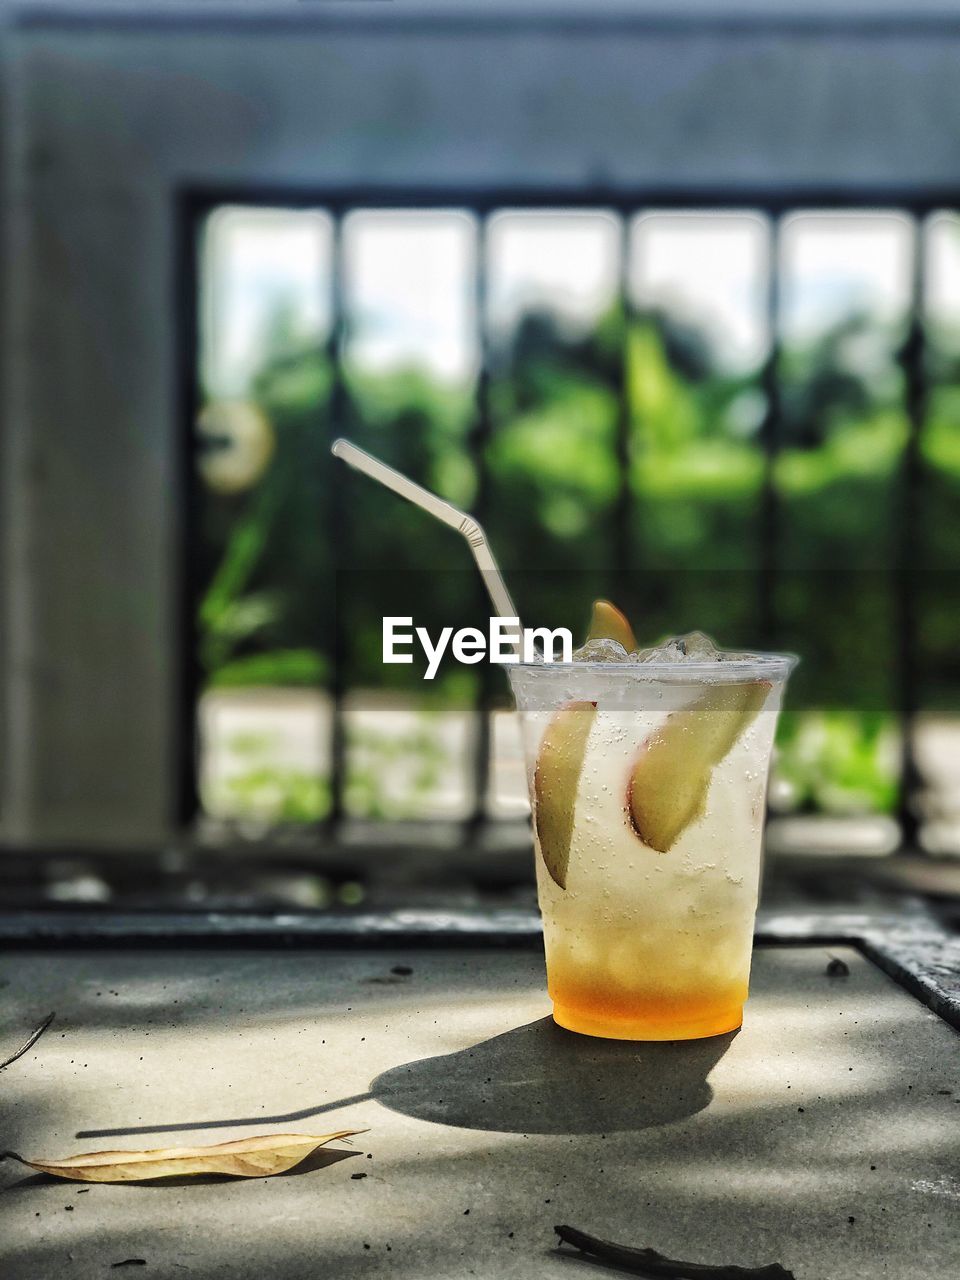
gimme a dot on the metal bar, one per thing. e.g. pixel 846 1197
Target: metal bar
pixel 337 527
pixel 911 357
pixel 187 301
pixel 769 514
pixel 382 21
pixel 623 503
pixel 477 442
pixel 623 199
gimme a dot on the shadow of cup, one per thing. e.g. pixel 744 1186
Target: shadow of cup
pixel 541 1079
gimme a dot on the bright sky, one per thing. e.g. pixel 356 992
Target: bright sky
pixel 567 263
pixel 709 270
pixel 837 263
pixel 409 287
pixel 254 260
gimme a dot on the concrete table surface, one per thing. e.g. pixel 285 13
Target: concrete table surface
pixel 825 1135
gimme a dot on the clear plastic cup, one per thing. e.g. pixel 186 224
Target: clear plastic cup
pixel 648 787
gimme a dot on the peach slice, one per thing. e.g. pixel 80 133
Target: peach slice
pixel 555 781
pixel 608 623
pixel 671 778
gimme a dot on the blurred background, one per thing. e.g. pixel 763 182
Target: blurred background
pixel 667 295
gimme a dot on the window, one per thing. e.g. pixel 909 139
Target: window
pixel 742 420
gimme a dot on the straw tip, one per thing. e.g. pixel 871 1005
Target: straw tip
pixel 339 447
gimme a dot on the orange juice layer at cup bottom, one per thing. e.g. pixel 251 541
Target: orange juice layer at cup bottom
pixel 616 1012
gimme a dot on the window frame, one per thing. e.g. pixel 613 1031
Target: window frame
pixel 196 203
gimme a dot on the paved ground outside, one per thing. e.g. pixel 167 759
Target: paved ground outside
pixel 825 1135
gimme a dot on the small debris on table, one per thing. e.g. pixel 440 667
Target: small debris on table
pixel 29 1042
pixel 650 1263
pixel 837 968
pixel 393 978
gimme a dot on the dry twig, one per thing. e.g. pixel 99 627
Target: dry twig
pixel 648 1262
pixel 29 1042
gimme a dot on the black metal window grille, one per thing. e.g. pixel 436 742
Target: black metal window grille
pixel 625 205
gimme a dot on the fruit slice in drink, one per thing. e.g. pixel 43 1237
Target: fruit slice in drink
pixel 608 623
pixel 555 782
pixel 670 780
pixel 560 758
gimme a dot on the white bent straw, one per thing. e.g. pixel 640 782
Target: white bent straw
pixel 445 511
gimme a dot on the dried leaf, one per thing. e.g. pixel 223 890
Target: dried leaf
pixel 258 1157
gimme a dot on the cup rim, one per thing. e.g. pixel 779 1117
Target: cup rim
pixel 778 665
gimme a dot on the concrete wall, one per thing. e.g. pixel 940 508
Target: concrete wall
pixel 107 122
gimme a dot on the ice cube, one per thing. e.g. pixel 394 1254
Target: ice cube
pixel 601 651
pixel 692 647
pixel 667 651
pixel 695 646
pixel 700 647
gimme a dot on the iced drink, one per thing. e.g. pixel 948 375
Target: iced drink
pixel 648 777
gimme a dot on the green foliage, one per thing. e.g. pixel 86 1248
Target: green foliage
pixel 390 775
pixel 276 795
pixel 838 761
pixel 262 790
pixel 264 561
pixel 278 668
